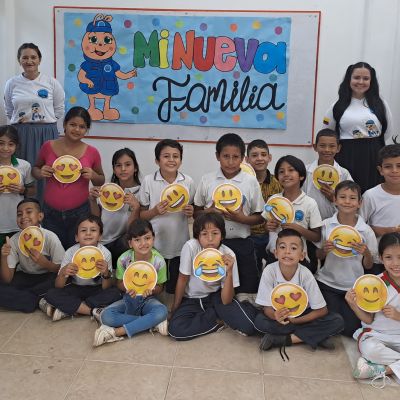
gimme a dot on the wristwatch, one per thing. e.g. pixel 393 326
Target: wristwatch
pixel 109 276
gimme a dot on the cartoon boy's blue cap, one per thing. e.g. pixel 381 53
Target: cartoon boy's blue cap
pixel 99 26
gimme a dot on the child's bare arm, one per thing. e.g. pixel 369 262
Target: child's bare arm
pixel 7 273
pixel 227 291
pixel 311 316
pixel 364 316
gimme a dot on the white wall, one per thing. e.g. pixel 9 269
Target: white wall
pixel 351 31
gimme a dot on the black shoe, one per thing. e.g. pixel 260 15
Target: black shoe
pixel 281 341
pixel 327 344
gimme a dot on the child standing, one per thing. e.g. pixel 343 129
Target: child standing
pixel 316 324
pixel 379 337
pixel 65 203
pixel 15 193
pixel 338 274
pixel 72 294
pixel 258 157
pixel 126 175
pixel 134 313
pixel 327 146
pixel 171 229
pixel 27 279
pixel 198 305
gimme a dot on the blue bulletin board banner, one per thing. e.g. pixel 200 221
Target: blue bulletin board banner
pixel 199 70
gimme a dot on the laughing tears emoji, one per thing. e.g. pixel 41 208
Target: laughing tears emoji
pixel 279 208
pixel 342 237
pixel 371 293
pixel 85 258
pixel 67 169
pixel 177 196
pixel 325 174
pixel 140 276
pixel 227 197
pixel 208 265
pixel 31 238
pixel 112 197
pixel 290 296
pixel 8 176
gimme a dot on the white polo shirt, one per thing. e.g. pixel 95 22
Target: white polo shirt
pixel 171 229
pixel 340 272
pixel 253 201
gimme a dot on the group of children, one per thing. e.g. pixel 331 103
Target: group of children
pixel 258 253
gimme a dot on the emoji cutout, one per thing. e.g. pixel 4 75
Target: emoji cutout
pixel 140 276
pixel 67 169
pixel 227 197
pixel 9 175
pixel 371 293
pixel 208 265
pixel 290 296
pixel 31 238
pixel 280 208
pixel 342 236
pixel 112 197
pixel 177 197
pixel 247 168
pixel 85 258
pixel 326 174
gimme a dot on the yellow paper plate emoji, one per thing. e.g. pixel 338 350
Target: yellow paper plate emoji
pixel 279 208
pixel 67 169
pixel 140 276
pixel 177 196
pixel 247 168
pixel 8 176
pixel 342 236
pixel 31 238
pixel 112 197
pixel 325 174
pixel 290 296
pixel 85 258
pixel 227 197
pixel 371 293
pixel 208 265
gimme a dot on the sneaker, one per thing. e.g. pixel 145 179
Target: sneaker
pixel 96 312
pixel 241 333
pixel 365 369
pixel 105 334
pixel 161 328
pixel 281 341
pixel 58 314
pixel 46 307
pixel 327 344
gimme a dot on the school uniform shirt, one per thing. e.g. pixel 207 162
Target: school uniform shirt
pixel 272 276
pixel 156 260
pixel 9 201
pixel 359 121
pixel 69 254
pixel 252 199
pixel 326 208
pixel 340 272
pixel 52 250
pixel 115 222
pixel 196 288
pixel 380 208
pixel 171 229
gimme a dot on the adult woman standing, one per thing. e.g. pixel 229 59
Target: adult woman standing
pixel 363 121
pixel 33 103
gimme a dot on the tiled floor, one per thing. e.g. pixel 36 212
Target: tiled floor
pixel 43 360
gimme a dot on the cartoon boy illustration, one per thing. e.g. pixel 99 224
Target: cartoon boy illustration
pixel 36 116
pixel 372 129
pixel 99 72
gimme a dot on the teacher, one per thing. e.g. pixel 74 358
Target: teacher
pixel 363 121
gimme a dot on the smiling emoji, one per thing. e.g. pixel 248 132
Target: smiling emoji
pixel 279 208
pixel 208 265
pixel 342 237
pixel 31 238
pixel 177 196
pixel 227 197
pixel 290 296
pixel 371 293
pixel 247 168
pixel 67 169
pixel 140 276
pixel 85 258
pixel 112 197
pixel 326 174
pixel 8 176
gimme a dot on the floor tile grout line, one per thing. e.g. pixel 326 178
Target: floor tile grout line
pixel 74 379
pixel 17 330
pixel 172 369
pixel 313 378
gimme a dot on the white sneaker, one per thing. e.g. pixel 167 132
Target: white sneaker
pixel 161 328
pixel 365 369
pixel 58 314
pixel 46 307
pixel 96 312
pixel 105 334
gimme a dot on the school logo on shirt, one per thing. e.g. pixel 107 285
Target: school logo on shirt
pixel 299 215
